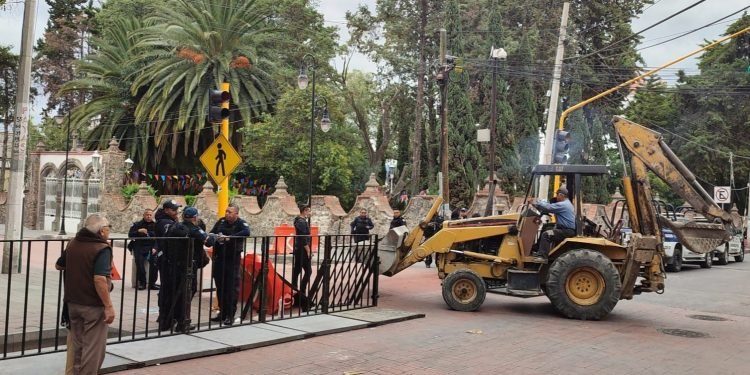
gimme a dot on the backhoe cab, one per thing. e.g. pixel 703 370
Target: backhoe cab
pixel 584 276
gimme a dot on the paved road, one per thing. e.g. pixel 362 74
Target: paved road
pixel 520 336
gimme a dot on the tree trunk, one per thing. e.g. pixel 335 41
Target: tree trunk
pixel 416 171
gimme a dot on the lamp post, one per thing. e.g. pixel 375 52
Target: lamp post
pixel 128 167
pixel 496 55
pixel 59 120
pixel 310 63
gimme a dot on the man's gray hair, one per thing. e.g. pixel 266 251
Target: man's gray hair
pixel 235 206
pixel 95 222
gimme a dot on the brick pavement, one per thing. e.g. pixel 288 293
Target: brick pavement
pixel 507 335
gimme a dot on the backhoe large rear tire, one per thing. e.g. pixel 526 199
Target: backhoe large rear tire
pixel 464 290
pixel 583 284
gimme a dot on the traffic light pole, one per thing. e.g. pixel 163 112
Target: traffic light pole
pixel 224 185
pixel 549 134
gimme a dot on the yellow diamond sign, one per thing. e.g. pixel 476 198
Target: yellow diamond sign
pixel 220 159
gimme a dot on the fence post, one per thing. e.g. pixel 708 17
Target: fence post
pixel 264 249
pixel 188 289
pixel 326 272
pixel 375 272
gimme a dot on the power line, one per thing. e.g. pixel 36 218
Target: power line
pixel 612 45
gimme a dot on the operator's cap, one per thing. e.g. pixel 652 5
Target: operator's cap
pixel 562 191
pixel 190 212
pixel 172 204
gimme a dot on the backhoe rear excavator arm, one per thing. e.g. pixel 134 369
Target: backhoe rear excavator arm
pixel 649 151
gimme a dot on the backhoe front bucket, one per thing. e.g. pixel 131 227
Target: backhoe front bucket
pixel 390 252
pixel 698 237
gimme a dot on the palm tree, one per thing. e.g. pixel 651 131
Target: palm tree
pixel 192 47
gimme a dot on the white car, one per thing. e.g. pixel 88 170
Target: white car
pixel 734 248
pixel 676 255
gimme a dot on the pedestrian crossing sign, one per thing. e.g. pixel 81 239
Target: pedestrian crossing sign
pixel 220 159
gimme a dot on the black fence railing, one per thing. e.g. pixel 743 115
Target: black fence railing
pixel 343 277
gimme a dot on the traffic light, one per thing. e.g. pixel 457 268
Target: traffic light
pixel 218 105
pixel 560 152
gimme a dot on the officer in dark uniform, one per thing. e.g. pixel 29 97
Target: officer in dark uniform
pixel 196 230
pixel 166 219
pixel 142 247
pixel 302 262
pixel 226 261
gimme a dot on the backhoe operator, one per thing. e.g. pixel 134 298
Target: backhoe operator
pixel 564 227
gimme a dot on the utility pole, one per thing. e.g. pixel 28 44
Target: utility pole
pixel 14 219
pixel 443 82
pixel 553 100
pixel 496 55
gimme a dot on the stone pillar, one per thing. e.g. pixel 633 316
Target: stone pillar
pixel 113 168
pixel 501 200
pixel 33 180
pixel 207 202
pixel 280 208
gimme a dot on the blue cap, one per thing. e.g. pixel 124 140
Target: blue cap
pixel 190 212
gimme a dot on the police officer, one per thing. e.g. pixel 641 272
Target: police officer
pixel 144 231
pixel 226 262
pixel 168 263
pixel 302 262
pixel 196 230
pixel 398 220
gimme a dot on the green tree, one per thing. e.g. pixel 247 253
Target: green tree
pixel 191 47
pixel 107 77
pixel 65 41
pixel 407 27
pixel 279 145
pixel 8 78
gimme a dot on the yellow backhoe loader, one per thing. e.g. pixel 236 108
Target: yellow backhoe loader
pixel 584 276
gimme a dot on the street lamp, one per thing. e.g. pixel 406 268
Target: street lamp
pixel 96 161
pixel 496 55
pixel 309 63
pixel 59 120
pixel 128 167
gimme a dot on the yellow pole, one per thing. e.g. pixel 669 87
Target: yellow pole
pixel 566 112
pixel 224 185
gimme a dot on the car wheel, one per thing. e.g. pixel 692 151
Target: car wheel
pixel 464 290
pixel 740 258
pixel 676 265
pixel 723 257
pixel 708 261
pixel 583 284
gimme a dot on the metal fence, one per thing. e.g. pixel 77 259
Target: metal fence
pixel 344 277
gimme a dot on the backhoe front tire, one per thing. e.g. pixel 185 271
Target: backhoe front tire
pixel 464 290
pixel 583 284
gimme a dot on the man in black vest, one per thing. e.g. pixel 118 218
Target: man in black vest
pixel 226 260
pixel 88 267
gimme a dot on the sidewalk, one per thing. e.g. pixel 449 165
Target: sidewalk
pixel 156 351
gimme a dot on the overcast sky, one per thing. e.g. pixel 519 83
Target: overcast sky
pixel 334 11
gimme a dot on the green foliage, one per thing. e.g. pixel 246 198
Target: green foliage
pixel 705 118
pixel 129 190
pixel 190 199
pixel 280 145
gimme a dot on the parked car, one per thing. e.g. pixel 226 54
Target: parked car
pixel 735 248
pixel 676 255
